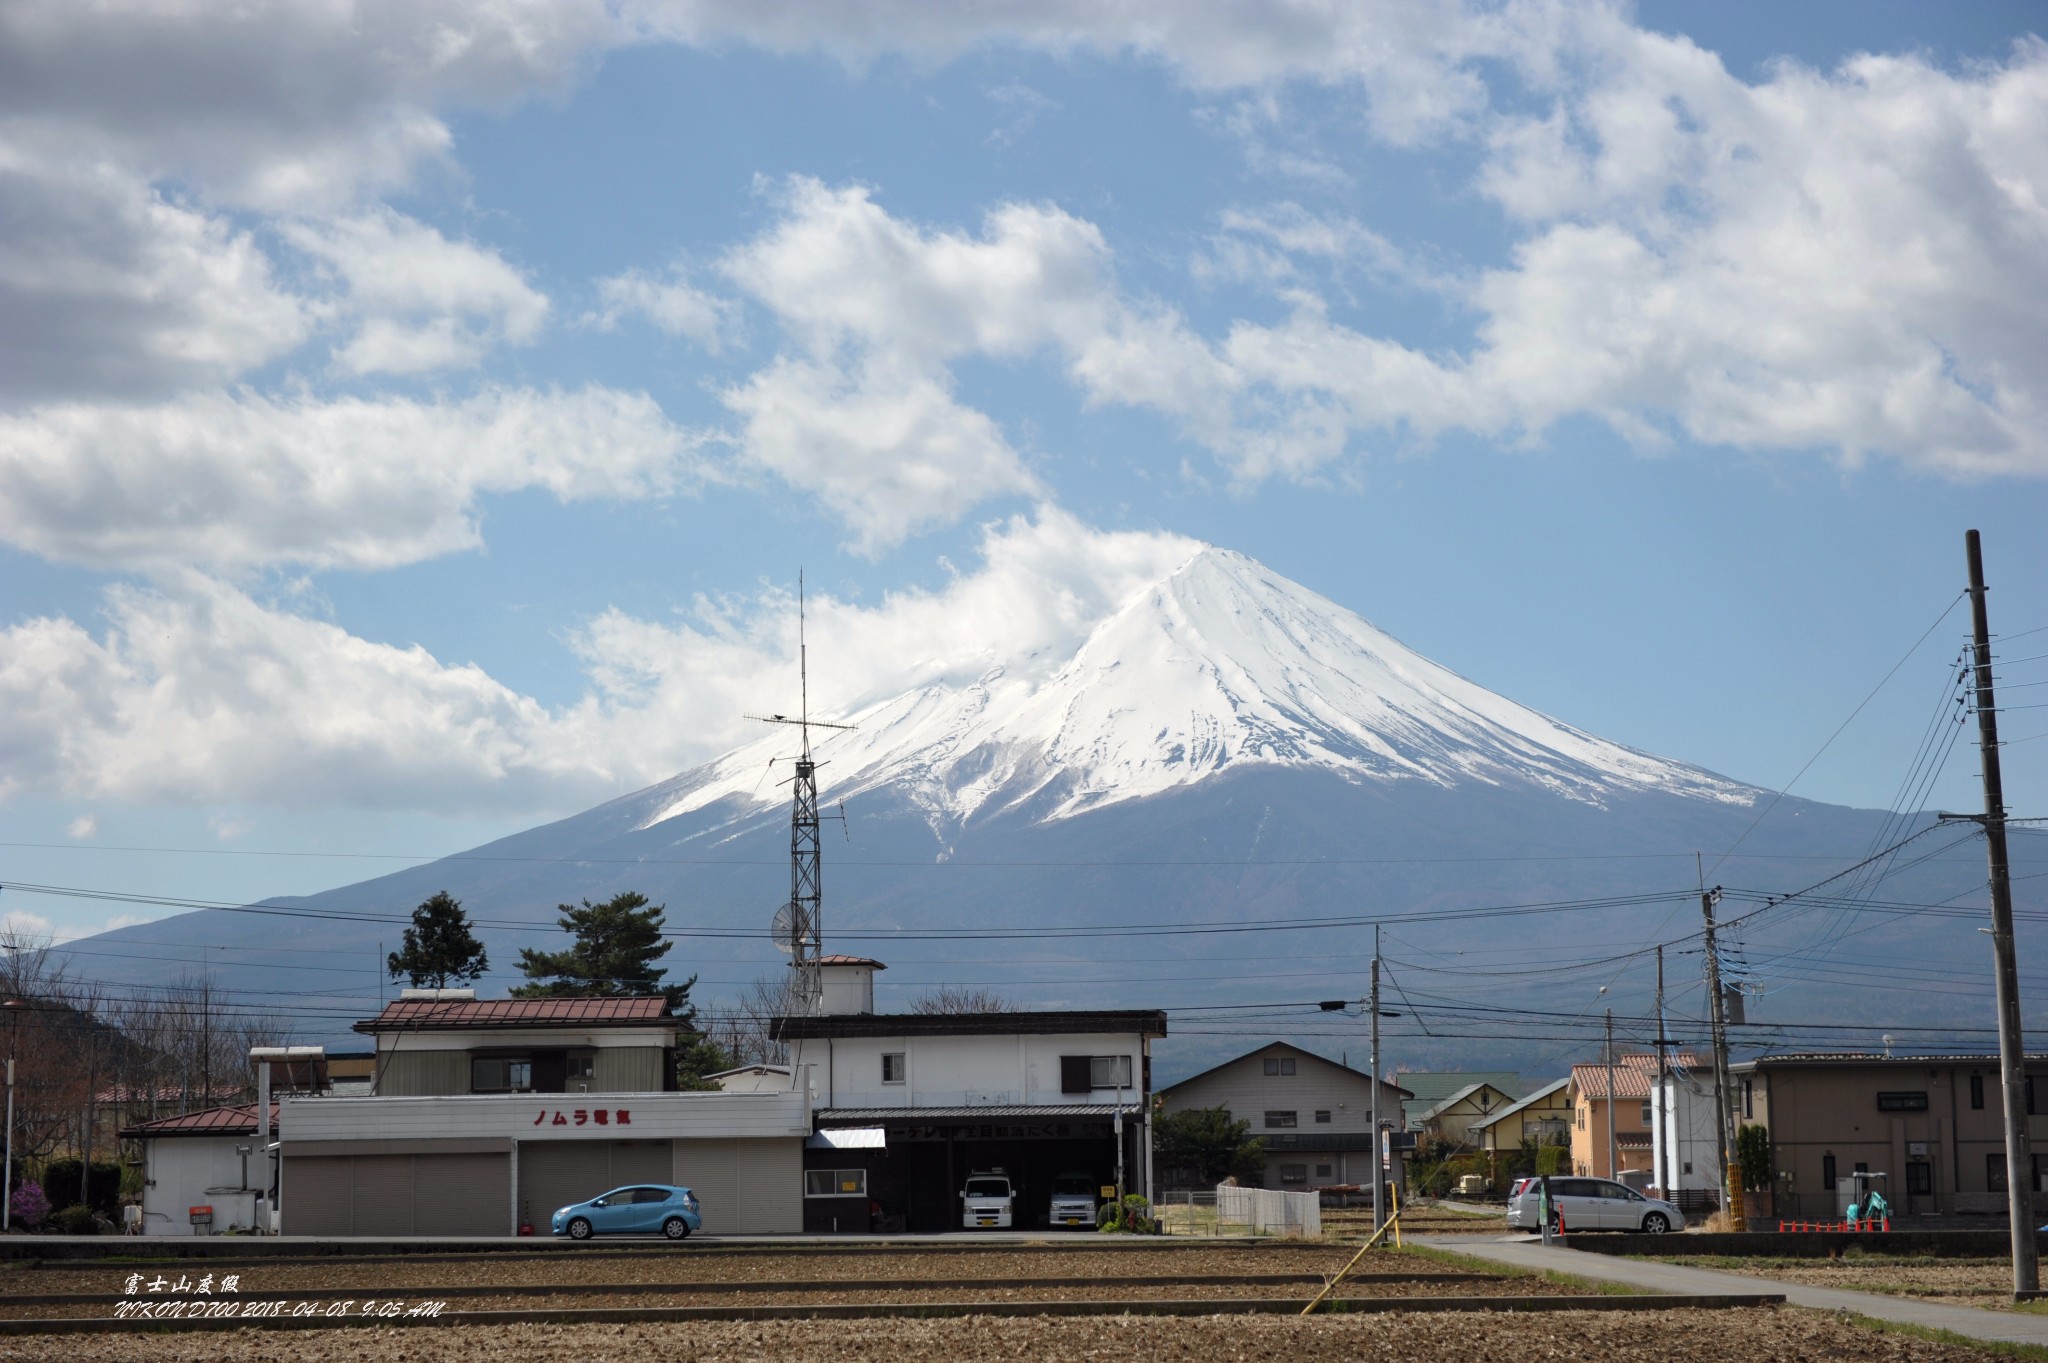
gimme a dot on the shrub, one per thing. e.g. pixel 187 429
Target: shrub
pixel 103 1189
pixel 1132 1217
pixel 30 1205
pixel 75 1219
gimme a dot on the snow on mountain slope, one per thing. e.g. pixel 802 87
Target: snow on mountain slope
pixel 1220 665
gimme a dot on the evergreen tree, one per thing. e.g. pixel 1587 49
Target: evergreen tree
pixel 440 950
pixel 1205 1146
pixel 618 944
pixel 697 1055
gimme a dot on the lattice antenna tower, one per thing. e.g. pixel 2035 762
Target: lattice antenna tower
pixel 798 927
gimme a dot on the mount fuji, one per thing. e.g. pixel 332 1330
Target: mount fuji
pixel 1225 750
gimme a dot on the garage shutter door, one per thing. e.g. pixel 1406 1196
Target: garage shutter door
pixel 555 1173
pixel 397 1195
pixel 319 1196
pixel 462 1195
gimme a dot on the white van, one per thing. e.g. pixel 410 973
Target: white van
pixel 987 1202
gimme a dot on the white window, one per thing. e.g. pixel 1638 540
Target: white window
pixel 1277 1065
pixel 893 1068
pixel 1648 1119
pixel 582 1066
pixel 835 1183
pixel 1323 1115
pixel 1322 1171
pixel 1281 1119
pixel 1109 1071
pixel 1293 1173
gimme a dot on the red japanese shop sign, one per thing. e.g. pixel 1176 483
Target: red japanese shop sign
pixel 584 1116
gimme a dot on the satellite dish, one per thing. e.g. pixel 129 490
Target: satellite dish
pixel 788 926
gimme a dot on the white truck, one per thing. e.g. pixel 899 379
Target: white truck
pixel 987 1202
pixel 1073 1201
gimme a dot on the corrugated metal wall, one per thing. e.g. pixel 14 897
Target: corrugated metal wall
pixel 416 1074
pixel 627 1069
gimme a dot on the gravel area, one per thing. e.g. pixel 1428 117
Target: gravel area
pixel 1954 1282
pixel 1677 1336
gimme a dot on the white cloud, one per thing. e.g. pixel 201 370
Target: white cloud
pixel 281 104
pixel 82 827
pixel 425 302
pixel 889 451
pixel 1411 61
pixel 196 691
pixel 108 287
pixel 671 303
pixel 242 480
pixel 23 928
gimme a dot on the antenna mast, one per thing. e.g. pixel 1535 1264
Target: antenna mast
pixel 799 925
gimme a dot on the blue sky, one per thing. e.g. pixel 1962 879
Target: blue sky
pixel 413 418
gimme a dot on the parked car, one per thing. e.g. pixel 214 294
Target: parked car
pixel 642 1209
pixel 1073 1200
pixel 987 1201
pixel 1593 1204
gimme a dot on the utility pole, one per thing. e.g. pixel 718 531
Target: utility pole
pixel 2019 1191
pixel 1613 1168
pixel 1723 1132
pixel 1373 1006
pixel 1660 1108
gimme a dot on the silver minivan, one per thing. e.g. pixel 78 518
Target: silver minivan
pixel 1593 1204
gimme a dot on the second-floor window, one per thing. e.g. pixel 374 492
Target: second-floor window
pixel 1280 1064
pixel 500 1074
pixel 1323 1115
pixel 1085 1073
pixel 893 1068
pixel 1281 1119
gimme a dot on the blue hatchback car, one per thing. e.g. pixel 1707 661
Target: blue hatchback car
pixel 641 1209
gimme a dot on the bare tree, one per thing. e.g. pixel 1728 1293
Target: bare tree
pixel 745 1028
pixel 961 998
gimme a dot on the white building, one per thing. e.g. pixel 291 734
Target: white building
pixel 206 1172
pixel 1314 1115
pixel 907 1105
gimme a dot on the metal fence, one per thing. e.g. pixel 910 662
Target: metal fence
pixel 1267 1211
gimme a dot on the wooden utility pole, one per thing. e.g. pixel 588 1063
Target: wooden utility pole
pixel 1730 1195
pixel 2019 1190
pixel 1613 1167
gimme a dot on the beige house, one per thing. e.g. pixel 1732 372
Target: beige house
pixel 1693 1162
pixel 1933 1125
pixel 1545 1115
pixel 1314 1115
pixel 1455 1118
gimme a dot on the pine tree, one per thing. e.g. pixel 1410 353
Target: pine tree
pixel 439 949
pixel 617 946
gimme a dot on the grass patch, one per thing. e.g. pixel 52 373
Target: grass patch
pixel 2003 1348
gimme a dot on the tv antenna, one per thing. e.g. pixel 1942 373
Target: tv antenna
pixel 798 926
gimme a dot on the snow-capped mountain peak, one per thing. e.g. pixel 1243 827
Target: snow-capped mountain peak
pixel 1221 665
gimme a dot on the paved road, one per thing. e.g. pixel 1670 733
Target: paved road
pixel 2013 1327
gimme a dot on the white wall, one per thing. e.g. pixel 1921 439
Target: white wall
pixel 530 1117
pixel 1683 1120
pixel 182 1172
pixel 960 1071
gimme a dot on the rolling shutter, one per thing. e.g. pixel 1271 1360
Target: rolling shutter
pixel 1077 1074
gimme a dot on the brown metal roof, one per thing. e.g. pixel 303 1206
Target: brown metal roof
pixel 851 960
pixel 1145 1021
pixel 412 1015
pixel 216 1121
